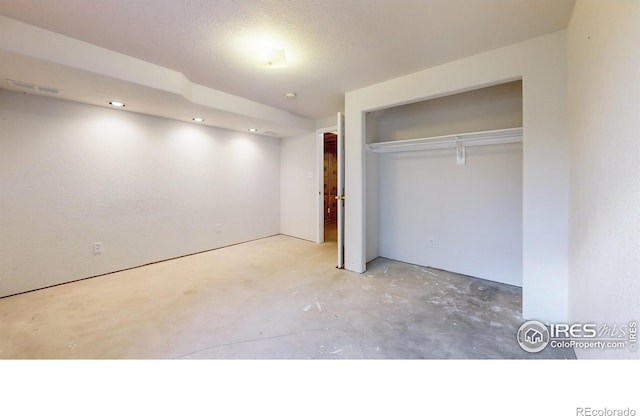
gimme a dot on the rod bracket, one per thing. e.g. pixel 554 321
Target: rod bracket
pixel 461 158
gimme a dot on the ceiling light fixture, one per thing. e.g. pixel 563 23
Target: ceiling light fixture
pixel 290 95
pixel 116 103
pixel 272 58
pixel 253 130
pixel 198 119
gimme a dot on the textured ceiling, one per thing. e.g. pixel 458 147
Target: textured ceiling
pixel 333 46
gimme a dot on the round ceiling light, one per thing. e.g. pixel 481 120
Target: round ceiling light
pixel 272 58
pixel 253 130
pixel 290 95
pixel 198 119
pixel 116 103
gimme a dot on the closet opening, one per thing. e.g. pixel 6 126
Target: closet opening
pixel 444 183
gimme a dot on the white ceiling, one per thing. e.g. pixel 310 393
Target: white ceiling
pixel 333 46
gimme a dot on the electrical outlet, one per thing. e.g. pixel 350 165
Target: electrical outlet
pixel 218 228
pixel 97 247
pixel 432 243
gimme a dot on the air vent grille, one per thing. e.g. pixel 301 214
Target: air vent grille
pixel 48 90
pixel 33 87
pixel 19 84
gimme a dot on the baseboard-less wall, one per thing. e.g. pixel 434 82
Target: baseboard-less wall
pixel 147 188
pixel 462 218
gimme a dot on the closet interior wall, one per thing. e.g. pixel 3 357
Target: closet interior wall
pixel 425 209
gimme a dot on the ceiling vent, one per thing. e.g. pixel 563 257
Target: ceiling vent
pixel 48 90
pixel 33 87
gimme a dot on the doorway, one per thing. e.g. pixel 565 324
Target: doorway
pixel 331 201
pixel 330 186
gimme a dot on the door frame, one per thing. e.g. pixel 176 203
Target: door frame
pixel 320 183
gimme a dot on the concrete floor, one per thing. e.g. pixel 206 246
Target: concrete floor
pixel 278 297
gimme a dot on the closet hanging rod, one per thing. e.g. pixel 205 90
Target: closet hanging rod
pixel 479 138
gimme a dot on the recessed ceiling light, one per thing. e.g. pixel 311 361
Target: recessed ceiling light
pixel 116 103
pixel 290 95
pixel 253 130
pixel 199 119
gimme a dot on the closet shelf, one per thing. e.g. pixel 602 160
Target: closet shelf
pixel 459 141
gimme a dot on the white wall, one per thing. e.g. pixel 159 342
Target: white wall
pixel 327 122
pixel 299 209
pixel 604 111
pixel 491 108
pixel 541 64
pixel 473 212
pixel 147 188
